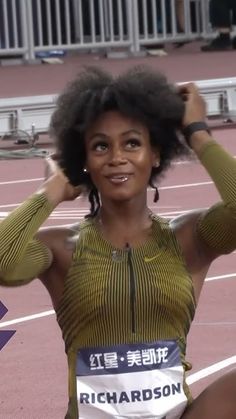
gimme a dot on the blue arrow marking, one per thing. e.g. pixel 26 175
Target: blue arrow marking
pixel 5 335
pixel 3 310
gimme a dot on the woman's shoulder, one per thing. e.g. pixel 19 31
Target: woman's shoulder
pixel 160 221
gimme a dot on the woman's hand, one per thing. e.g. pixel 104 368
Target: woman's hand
pixel 195 106
pixel 195 112
pixel 57 186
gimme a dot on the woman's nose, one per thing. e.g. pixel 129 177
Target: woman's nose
pixel 117 156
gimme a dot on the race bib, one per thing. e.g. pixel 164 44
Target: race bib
pixel 131 381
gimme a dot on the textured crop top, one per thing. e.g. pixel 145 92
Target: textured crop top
pixel 124 296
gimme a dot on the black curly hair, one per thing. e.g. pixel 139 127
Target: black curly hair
pixel 139 93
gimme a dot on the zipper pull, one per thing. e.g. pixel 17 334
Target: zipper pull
pixel 128 250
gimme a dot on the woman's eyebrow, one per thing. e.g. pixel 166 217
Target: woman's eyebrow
pixel 132 131
pixel 105 136
pixel 98 134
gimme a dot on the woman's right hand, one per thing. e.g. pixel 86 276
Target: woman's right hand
pixel 195 105
pixel 57 186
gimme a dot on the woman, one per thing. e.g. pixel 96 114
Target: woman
pixel 125 283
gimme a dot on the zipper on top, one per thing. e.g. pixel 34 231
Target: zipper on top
pixel 132 286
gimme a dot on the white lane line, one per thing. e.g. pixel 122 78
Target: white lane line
pixel 213 278
pixel 180 162
pixel 19 203
pixel 214 324
pixel 26 318
pixel 179 212
pixel 10 205
pixel 9 182
pixel 185 185
pixel 212 369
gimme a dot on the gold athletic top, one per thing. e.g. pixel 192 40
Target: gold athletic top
pixel 134 295
pixel 121 296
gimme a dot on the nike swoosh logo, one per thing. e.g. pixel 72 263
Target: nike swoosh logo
pixel 147 259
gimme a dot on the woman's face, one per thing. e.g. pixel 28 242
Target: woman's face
pixel 119 156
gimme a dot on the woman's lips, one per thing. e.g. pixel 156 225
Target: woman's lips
pixel 119 178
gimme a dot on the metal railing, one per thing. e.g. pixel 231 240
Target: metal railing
pixel 162 21
pixel 13 28
pixel 79 25
pixel 29 28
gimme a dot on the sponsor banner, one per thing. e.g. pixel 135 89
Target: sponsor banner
pixel 120 359
pixel 136 381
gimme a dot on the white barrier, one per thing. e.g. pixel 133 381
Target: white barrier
pixel 26 112
pixel 220 96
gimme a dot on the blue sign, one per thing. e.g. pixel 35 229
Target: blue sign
pixel 121 359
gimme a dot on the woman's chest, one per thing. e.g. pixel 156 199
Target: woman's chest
pixel 121 280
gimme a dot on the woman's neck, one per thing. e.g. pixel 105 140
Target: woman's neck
pixel 124 224
pixel 124 214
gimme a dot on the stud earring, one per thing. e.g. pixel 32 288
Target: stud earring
pixel 85 170
pixel 157 164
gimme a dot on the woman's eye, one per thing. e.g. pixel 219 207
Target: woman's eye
pixel 100 146
pixel 133 143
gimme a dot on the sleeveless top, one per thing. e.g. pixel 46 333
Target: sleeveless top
pixel 134 295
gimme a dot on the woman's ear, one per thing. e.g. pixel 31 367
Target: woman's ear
pixel 156 158
pixel 156 164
